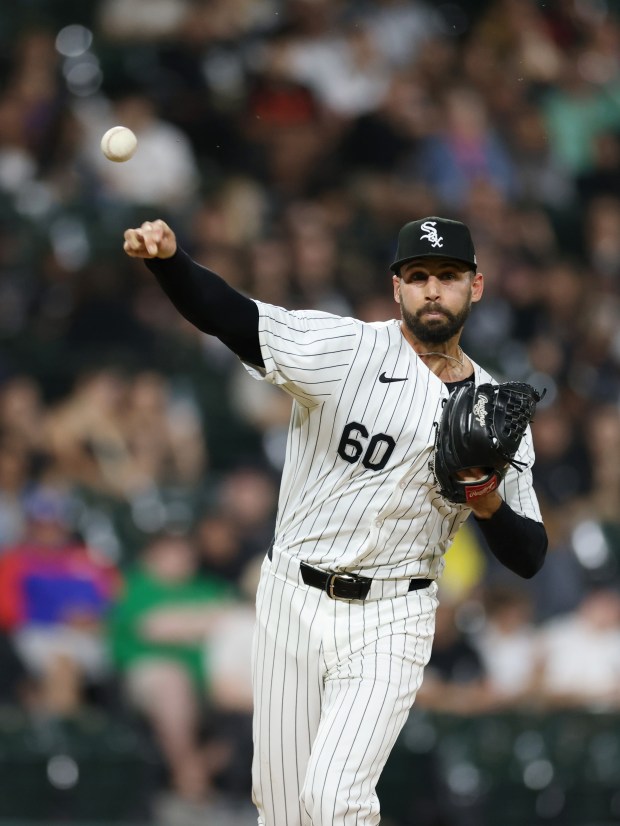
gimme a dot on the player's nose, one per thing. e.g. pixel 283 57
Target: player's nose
pixel 431 288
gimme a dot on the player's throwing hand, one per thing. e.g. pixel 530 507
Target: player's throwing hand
pixel 154 239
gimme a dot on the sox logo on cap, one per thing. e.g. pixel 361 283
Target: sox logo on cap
pixel 431 234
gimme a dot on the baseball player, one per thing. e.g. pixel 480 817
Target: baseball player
pixel 348 589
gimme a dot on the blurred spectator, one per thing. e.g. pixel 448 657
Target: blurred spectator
pixel 230 218
pixel 398 28
pixel 219 545
pixel 122 437
pixel 142 20
pixel 507 644
pixel 601 230
pixel 22 413
pixel 603 179
pixel 314 245
pixel 340 63
pixel 563 467
pixel 464 150
pixel 271 269
pixel 17 161
pixel 158 630
pixel 382 140
pixel 161 146
pixel 455 680
pixel 247 496
pixel 14 478
pixel 99 299
pixel 288 135
pixel 163 433
pixel 542 178
pixel 595 375
pixel 564 577
pixel 55 594
pixel 167 20
pixel 580 654
pixel 87 439
pixel 34 92
pixel 230 658
pixel 576 111
pixel 603 440
pixel 563 288
pixel 518 33
pixel 23 451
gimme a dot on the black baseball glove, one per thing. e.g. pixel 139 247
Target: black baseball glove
pixel 481 427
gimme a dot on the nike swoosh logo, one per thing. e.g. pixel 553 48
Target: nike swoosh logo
pixel 387 379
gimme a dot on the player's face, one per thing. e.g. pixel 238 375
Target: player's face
pixel 435 297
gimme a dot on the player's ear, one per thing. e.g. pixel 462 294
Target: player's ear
pixel 477 286
pixel 396 284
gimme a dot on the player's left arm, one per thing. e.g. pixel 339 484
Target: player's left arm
pixel 510 518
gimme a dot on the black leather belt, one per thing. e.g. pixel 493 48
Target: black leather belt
pixel 337 586
pixel 345 586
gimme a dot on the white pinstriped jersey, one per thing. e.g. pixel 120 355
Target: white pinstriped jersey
pixel 357 493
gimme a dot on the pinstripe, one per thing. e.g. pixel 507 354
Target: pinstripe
pixel 331 436
pixel 312 369
pixel 343 547
pixel 259 728
pixel 356 750
pixel 375 705
pixel 333 460
pixel 302 446
pixel 334 681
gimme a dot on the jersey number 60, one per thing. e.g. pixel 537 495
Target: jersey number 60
pixel 377 453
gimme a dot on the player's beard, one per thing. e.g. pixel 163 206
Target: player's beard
pixel 435 331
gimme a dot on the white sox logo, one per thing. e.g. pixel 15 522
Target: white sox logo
pixel 431 234
pixel 480 409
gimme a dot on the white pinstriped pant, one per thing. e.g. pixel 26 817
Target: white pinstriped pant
pixel 333 684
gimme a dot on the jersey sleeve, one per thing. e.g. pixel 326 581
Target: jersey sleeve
pixel 517 489
pixel 305 352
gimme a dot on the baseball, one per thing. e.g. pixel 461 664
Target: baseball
pixel 119 144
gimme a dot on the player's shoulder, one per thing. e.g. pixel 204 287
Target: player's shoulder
pixel 274 310
pixel 319 318
pixel 391 326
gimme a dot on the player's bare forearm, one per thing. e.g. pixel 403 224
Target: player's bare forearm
pixel 153 239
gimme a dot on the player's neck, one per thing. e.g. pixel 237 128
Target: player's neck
pixel 446 360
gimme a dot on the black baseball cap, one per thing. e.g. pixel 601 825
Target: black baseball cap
pixel 434 238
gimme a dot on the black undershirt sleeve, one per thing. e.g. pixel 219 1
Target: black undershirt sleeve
pixel 517 542
pixel 208 302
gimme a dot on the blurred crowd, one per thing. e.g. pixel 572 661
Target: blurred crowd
pixel 286 141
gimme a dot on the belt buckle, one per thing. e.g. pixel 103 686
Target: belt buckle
pixel 332 582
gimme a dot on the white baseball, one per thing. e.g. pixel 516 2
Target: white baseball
pixel 119 144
